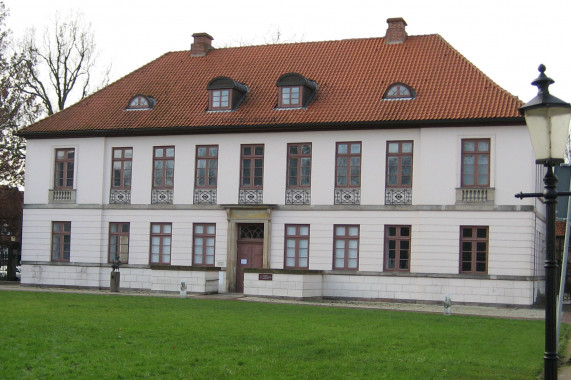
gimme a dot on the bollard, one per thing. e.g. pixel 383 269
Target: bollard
pixel 447 305
pixel 182 288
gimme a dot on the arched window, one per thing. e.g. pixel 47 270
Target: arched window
pixel 141 102
pixel 399 91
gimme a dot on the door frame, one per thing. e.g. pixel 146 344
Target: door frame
pixel 245 214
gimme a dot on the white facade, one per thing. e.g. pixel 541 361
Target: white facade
pixel 513 274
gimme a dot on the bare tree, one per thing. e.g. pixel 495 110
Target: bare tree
pixel 17 109
pixel 61 63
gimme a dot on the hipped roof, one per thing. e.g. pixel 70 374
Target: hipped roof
pixel 351 75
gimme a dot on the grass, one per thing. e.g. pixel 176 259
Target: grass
pixel 75 336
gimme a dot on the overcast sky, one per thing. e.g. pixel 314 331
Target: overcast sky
pixel 506 39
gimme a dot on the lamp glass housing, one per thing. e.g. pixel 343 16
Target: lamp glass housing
pixel 548 129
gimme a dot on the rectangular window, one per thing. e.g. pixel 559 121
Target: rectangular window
pixel 252 166
pixel 204 237
pixel 397 248
pixel 122 168
pixel 296 246
pixel 163 167
pixel 474 249
pixel 399 164
pixel 206 166
pixel 61 241
pixel 348 164
pixel 219 99
pixel 64 166
pixel 290 96
pixel 119 242
pixel 346 247
pixel 299 165
pixel 161 239
pixel 476 163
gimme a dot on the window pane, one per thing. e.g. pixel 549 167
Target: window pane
pixel 483 146
pixel 304 230
pixel 407 147
pixel 291 230
pixel 353 231
pixel 198 228
pixel 211 230
pixel 469 146
pixel 355 148
pixel 340 231
pixel 393 147
pixel 342 148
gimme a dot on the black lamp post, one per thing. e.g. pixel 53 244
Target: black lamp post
pixel 547 119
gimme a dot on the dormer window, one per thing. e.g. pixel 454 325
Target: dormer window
pixel 220 99
pixel 290 96
pixel 399 91
pixel 295 91
pixel 141 102
pixel 225 94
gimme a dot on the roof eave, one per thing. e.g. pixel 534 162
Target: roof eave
pixel 263 128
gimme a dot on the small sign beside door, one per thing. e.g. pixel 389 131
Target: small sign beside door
pixel 265 277
pixel 243 261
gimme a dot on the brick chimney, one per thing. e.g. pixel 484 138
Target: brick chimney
pixel 202 44
pixel 396 33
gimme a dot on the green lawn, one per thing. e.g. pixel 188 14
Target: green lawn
pixel 69 336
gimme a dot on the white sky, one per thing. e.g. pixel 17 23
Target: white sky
pixel 506 39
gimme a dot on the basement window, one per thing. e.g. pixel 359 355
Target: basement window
pixel 399 91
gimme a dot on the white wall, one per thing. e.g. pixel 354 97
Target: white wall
pixel 435 239
pixel 436 170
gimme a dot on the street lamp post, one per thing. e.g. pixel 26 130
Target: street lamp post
pixel 547 119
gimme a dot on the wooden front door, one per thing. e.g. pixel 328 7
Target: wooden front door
pixel 250 251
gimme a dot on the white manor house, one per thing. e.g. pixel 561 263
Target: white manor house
pixel 375 168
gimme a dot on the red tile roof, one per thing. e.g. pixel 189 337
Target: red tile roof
pixel 351 75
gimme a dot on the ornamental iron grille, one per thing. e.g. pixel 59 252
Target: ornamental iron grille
pixel 298 197
pixel 120 196
pixel 398 196
pixel 250 197
pixel 251 231
pixel 161 196
pixel 205 196
pixel 345 196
